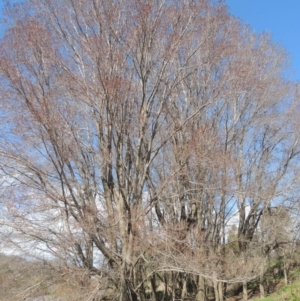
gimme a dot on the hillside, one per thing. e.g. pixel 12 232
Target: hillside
pixel 32 281
pixel 24 280
pixel 289 292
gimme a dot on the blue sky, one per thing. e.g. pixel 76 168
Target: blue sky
pixel 280 18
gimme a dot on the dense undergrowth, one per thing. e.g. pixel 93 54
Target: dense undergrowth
pixel 21 279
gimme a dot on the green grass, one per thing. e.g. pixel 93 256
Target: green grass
pixel 289 292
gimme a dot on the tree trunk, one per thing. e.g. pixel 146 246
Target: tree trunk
pixel 173 286
pixel 124 290
pixel 216 288
pixel 183 292
pixel 245 292
pixel 285 272
pixel 153 287
pixel 166 294
pixel 261 281
pixel 201 296
pixel 220 291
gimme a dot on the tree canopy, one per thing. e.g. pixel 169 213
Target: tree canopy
pixel 132 131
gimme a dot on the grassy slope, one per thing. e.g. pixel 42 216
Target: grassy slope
pixel 20 278
pixel 289 292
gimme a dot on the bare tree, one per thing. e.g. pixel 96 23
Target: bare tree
pixel 133 130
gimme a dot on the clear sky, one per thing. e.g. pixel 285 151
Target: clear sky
pixel 280 18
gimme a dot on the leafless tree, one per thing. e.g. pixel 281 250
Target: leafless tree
pixel 131 132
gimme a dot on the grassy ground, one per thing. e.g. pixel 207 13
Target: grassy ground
pixel 289 292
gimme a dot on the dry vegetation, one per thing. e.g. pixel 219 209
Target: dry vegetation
pixel 21 279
